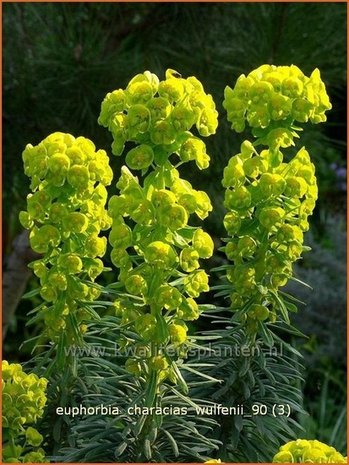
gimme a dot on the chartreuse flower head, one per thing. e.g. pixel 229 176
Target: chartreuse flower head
pixel 23 402
pixel 158 117
pixel 65 214
pixel 154 247
pixel 268 201
pixel 275 97
pixel 308 451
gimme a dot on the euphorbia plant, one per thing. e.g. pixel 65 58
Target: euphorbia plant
pixel 153 245
pixel 158 126
pixel 269 198
pixel 65 215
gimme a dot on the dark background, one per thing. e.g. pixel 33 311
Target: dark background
pixel 59 61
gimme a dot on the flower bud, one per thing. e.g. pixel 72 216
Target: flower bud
pixel 43 238
pixel 159 108
pixel 173 216
pixel 160 254
pixel 258 312
pixel 70 263
pixel 25 220
pixel 33 437
pixel 140 157
pixel 203 204
pixel 172 89
pixel 133 367
pixel 271 184
pixel 238 198
pixel 138 120
pixel 182 117
pixel 78 177
pixel 270 217
pixel 232 222
pixel 203 244
pixel 120 236
pixel 233 174
pixel 136 285
pixel 163 133
pixel 195 283
pixel 168 297
pixel 146 326
pixel 114 102
pixel 158 363
pixel 75 222
pixel 188 259
pixel 95 246
pixel 295 187
pixel 178 333
pixel 246 246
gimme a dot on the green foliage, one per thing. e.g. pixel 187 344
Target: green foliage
pixel 132 435
pixel 324 390
pixel 327 416
pixel 257 378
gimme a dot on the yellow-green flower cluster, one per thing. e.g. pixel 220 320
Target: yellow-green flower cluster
pixel 268 208
pixel 308 451
pixel 65 215
pixel 269 200
pixel 152 242
pixel 158 117
pixel 273 95
pixel 154 247
pixel 23 402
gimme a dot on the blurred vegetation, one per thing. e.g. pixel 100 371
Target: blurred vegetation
pixel 60 59
pixel 323 319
